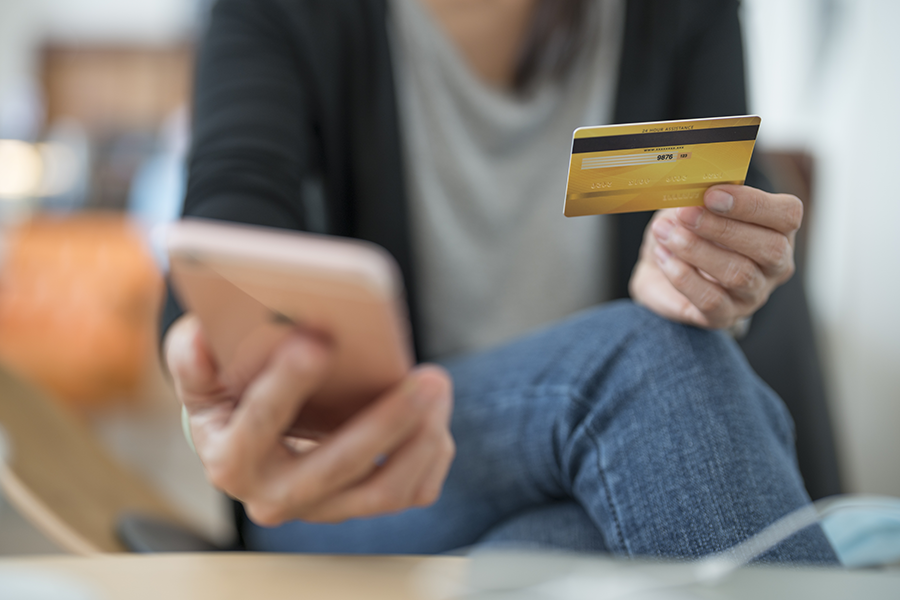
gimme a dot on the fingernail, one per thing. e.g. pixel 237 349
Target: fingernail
pixel 719 201
pixel 306 352
pixel 662 228
pixel 678 239
pixel 426 390
pixel 662 255
pixel 690 216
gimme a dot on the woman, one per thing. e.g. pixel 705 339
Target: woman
pixel 438 128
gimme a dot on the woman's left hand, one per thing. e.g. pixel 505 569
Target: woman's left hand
pixel 713 265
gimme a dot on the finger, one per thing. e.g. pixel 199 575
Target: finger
pixel 432 484
pixel 649 287
pixel 781 212
pixel 773 251
pixel 435 433
pixel 272 400
pixel 710 299
pixel 352 453
pixel 397 484
pixel 190 362
pixel 739 275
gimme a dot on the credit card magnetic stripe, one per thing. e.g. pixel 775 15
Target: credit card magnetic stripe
pixel 631 141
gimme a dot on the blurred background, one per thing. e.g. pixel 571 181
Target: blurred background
pixel 93 134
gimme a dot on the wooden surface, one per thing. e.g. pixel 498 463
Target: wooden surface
pixel 61 479
pixel 238 576
pixel 222 576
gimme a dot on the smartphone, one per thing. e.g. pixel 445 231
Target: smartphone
pixel 252 286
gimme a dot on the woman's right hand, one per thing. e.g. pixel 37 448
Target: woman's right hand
pixel 393 455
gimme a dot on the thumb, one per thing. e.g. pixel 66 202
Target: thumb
pixel 190 360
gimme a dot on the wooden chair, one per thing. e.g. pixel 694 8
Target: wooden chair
pixel 62 480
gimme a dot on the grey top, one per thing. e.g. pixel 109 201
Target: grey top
pixel 486 174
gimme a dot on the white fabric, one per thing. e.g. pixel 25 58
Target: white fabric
pixel 486 172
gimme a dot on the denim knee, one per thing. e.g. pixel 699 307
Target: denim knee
pixel 672 443
pixel 715 357
pixel 660 366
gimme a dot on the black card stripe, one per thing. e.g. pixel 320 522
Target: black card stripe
pixel 663 139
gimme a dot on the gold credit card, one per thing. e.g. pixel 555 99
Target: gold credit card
pixel 648 166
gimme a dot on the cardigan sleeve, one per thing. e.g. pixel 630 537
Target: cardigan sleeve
pixel 252 138
pixel 252 153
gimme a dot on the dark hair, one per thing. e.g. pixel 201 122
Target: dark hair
pixel 556 38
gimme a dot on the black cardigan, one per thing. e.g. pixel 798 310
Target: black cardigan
pixel 296 126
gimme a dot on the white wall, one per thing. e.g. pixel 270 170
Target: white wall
pixel 141 22
pixel 825 77
pixel 19 28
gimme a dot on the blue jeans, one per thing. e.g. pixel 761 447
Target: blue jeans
pixel 614 431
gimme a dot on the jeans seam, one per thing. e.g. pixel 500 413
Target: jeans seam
pixel 617 522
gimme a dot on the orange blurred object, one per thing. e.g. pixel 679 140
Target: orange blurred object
pixel 79 297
